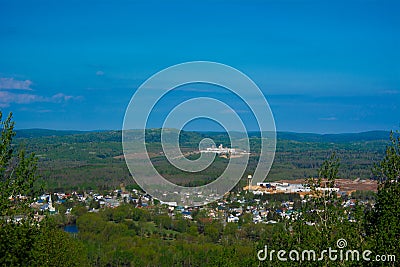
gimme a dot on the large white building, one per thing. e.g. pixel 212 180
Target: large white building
pixel 219 150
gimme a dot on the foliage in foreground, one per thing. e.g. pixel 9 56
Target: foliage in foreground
pixel 384 220
pixel 24 241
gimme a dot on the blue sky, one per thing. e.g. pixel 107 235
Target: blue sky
pixel 324 66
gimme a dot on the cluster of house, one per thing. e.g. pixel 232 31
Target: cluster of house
pixel 225 212
pixel 44 203
pixel 260 211
pixel 112 200
pixel 119 197
pixel 185 211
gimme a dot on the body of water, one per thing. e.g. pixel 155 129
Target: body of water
pixel 71 229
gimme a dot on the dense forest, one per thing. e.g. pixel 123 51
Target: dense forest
pixel 92 160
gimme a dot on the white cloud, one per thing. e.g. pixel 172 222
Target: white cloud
pixel 328 119
pixel 99 73
pixel 63 98
pixel 7 98
pixel 11 83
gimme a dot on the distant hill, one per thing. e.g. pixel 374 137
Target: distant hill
pixel 88 160
pixel 34 133
pixel 153 135
pixel 335 138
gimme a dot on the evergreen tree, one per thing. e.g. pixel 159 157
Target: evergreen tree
pixel 384 224
pixel 24 239
pixel 324 220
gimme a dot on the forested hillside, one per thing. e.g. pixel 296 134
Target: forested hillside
pixel 92 160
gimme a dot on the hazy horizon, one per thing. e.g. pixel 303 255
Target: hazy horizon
pixel 199 131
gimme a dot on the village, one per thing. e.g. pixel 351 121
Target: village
pixel 267 202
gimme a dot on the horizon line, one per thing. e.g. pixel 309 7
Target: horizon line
pixel 203 131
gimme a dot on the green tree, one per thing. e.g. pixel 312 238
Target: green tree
pixel 324 203
pixel 213 231
pixel 384 223
pixel 24 241
pixel 324 219
pixel 17 174
pixel 94 204
pixel 54 247
pixel 163 221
